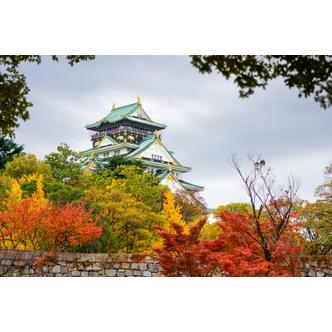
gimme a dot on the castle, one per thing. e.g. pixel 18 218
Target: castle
pixel 128 131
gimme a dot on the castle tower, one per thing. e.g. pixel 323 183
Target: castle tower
pixel 129 131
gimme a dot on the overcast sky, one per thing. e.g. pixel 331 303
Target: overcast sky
pixel 207 121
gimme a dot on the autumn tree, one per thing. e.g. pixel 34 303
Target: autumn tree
pixel 68 227
pixel 269 204
pixel 264 241
pixel 127 223
pixel 311 75
pixel 14 103
pixel 238 250
pixel 29 225
pixel 183 254
pixel 27 164
pixel 236 207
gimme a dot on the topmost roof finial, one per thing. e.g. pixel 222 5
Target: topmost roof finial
pixel 113 106
pixel 138 100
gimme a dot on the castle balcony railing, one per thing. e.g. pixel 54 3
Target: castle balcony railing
pixel 121 129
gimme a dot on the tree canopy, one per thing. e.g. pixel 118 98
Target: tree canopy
pixel 14 91
pixel 310 74
pixel 8 148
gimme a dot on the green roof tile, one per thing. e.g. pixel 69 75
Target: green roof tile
pixel 121 113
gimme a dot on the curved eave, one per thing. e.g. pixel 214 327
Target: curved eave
pixel 191 186
pixel 143 121
pixel 182 169
pixel 109 148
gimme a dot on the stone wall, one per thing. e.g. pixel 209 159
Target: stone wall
pixel 317 269
pixel 34 264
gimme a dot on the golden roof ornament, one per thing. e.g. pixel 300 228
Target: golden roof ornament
pixel 170 168
pixel 113 106
pixel 138 100
pixel 157 134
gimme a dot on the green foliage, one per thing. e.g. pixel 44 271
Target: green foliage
pixel 65 164
pixel 318 219
pixel 27 164
pixel 60 193
pixel 310 74
pixel 8 148
pixel 127 223
pixel 5 185
pixel 14 90
pixel 113 164
pixel 235 207
pixel 210 231
pixel 143 186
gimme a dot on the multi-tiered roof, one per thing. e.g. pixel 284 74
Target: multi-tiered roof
pixel 129 131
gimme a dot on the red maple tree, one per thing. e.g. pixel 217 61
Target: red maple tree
pixel 182 253
pixel 69 226
pixel 237 250
pixel 31 226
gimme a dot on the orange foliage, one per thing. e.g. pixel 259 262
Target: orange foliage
pixel 237 250
pixel 27 224
pixel 182 254
pixel 69 226
pixel 21 224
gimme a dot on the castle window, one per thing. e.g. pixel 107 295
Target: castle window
pixel 106 154
pixel 156 157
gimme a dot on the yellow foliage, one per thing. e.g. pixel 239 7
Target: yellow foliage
pixel 15 193
pixel 173 213
pixel 39 195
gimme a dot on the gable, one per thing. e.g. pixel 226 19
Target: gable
pixel 106 140
pixel 172 183
pixel 140 113
pixel 159 150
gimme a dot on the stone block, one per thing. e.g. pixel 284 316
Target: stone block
pixel 84 273
pixel 63 269
pixel 93 274
pixel 125 265
pixel 75 273
pixel 129 273
pixel 19 263
pixel 96 267
pixel 147 274
pixel 311 273
pixel 155 274
pixel 142 266
pixel 58 275
pixel 7 262
pixel 110 273
pixel 56 269
pixel 134 266
pixel 153 267
pixel 137 273
pixel 120 273
pixel 320 274
pixel 88 258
